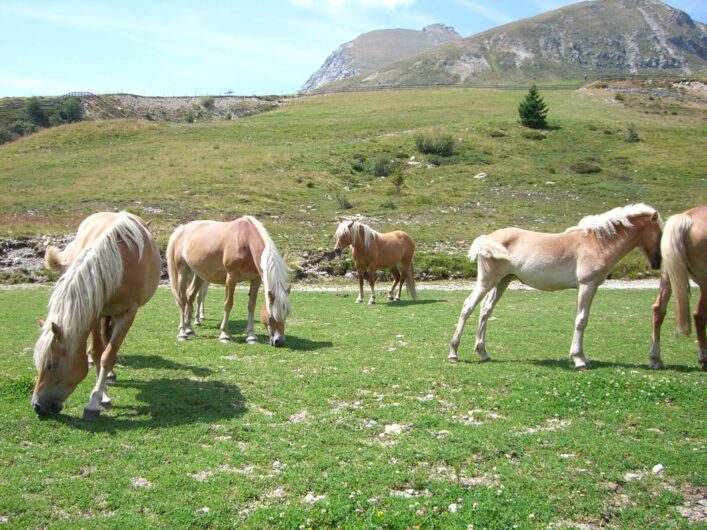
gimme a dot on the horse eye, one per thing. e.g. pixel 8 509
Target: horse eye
pixel 52 364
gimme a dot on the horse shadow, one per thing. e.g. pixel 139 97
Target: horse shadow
pixel 566 364
pixel 405 303
pixel 166 401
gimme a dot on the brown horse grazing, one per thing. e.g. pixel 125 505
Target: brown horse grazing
pixel 114 268
pixel 373 250
pixel 684 249
pixel 581 258
pixel 226 253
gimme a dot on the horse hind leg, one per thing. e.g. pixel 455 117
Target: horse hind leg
pixel 184 280
pixel 700 317
pixel 192 294
pixel 372 283
pixel 396 281
pixel 479 292
pixel 224 337
pixel 487 306
pixel 659 310
pixel 359 273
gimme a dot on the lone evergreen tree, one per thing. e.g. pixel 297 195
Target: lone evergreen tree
pixel 532 110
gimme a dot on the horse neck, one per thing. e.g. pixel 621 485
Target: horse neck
pixel 626 239
pixel 358 243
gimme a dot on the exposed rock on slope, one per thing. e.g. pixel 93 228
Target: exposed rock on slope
pixel 375 49
pixel 603 37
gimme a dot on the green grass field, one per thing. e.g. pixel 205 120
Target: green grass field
pixel 359 422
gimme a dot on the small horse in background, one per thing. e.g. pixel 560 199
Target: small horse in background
pixel 226 253
pixel 581 257
pixel 112 268
pixel 372 251
pixel 684 250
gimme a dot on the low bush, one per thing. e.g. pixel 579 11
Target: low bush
pixel 584 168
pixel 435 143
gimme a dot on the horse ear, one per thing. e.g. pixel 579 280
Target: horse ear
pixel 40 322
pixel 56 330
pixel 351 223
pixel 654 217
pixel 271 297
pixel 288 290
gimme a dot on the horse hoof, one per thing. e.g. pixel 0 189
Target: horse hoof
pixel 191 333
pixel 182 338
pixel 656 365
pixel 359 301
pixel 485 359
pixel 251 340
pixel 111 377
pixel 106 405
pixel 452 360
pixel 581 368
pixel 396 299
pixel 90 414
pixel 224 340
pixel 371 302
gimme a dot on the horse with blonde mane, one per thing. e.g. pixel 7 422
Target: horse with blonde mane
pixel 684 249
pixel 112 268
pixel 226 253
pixel 372 251
pixel 580 257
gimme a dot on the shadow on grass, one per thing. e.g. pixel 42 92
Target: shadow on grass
pixel 139 362
pixel 405 303
pixel 300 344
pixel 166 402
pixel 566 364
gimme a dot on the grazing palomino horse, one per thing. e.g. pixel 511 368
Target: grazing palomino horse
pixel 581 257
pixel 114 268
pixel 373 250
pixel 227 253
pixel 684 249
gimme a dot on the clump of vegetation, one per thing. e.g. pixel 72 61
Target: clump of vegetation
pixel 584 168
pixel 533 110
pixel 398 180
pixel 631 134
pixel 382 165
pixel 35 113
pixel 619 96
pixel 358 164
pixel 189 117
pixel 497 133
pixel 208 102
pixel 344 203
pixel 435 143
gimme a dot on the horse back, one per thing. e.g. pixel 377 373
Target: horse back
pixel 394 247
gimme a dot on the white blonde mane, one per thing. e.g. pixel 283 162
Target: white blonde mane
pixel 368 233
pixel 604 225
pixel 275 275
pixel 81 292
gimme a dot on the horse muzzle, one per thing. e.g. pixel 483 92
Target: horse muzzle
pixel 277 340
pixel 337 252
pixel 48 408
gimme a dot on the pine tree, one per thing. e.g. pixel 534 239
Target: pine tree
pixel 532 110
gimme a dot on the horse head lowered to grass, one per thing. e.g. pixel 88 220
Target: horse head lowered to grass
pixel 580 257
pixel 114 269
pixel 226 253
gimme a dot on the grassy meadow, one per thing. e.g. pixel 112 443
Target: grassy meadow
pixel 359 421
pixel 299 167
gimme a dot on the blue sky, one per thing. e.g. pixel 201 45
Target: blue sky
pixel 168 48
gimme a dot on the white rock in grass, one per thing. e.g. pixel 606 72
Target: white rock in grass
pixel 632 477
pixel 658 469
pixel 480 176
pixel 311 498
pixel 453 507
pixel 139 482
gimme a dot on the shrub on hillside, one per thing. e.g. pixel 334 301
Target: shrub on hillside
pixel 208 102
pixel 435 143
pixel 35 113
pixel 382 165
pixel 584 168
pixel 631 135
pixel 532 110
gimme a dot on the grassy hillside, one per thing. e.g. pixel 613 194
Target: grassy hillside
pixel 297 167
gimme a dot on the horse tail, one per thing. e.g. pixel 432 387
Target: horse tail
pixel 410 281
pixel 172 264
pixel 485 247
pixel 53 259
pixel 673 249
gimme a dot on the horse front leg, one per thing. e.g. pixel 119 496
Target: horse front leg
pixel 487 305
pixel 227 306
pixel 396 281
pixel 700 317
pixel 100 335
pixel 479 292
pixel 584 304
pixel 659 310
pixel 99 400
pixel 360 273
pixel 372 283
pixel 250 337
